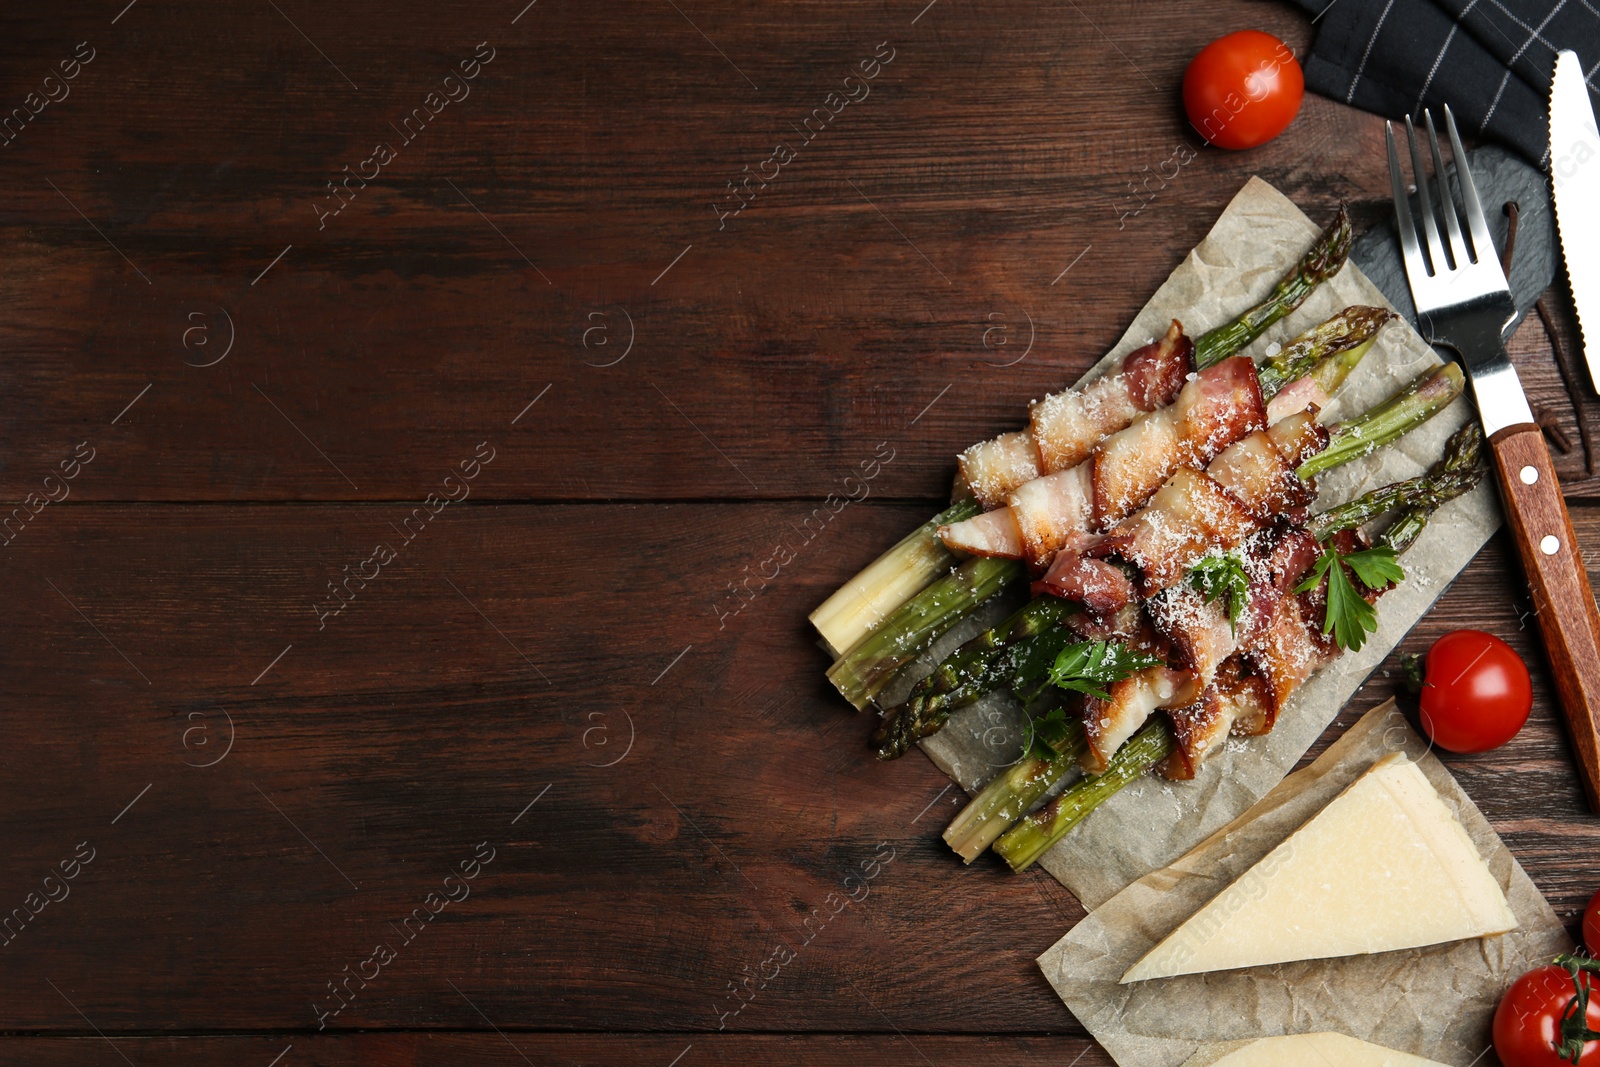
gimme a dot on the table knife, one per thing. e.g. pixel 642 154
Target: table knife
pixel 1575 175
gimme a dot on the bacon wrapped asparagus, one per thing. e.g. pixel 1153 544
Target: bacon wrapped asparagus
pixel 1213 410
pixel 1065 427
pixel 1255 486
pixel 1217 407
pixel 1065 423
pixel 1257 479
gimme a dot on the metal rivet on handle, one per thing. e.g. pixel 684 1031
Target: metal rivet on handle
pixel 1529 475
pixel 1550 545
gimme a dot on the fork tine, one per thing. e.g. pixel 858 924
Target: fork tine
pixel 1482 243
pixel 1447 203
pixel 1416 270
pixel 1429 227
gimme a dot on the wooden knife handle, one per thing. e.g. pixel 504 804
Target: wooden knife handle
pixel 1563 603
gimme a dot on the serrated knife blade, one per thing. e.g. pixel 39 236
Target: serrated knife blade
pixel 1575 175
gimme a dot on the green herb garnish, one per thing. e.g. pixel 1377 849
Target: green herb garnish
pixel 1053 734
pixel 1223 576
pixel 1349 617
pixel 1091 667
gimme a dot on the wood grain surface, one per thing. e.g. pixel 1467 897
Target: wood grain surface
pixel 272 698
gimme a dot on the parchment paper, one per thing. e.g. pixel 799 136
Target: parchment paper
pixel 1149 824
pixel 1435 1002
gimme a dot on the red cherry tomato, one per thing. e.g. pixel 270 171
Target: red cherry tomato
pixel 1243 90
pixel 1476 694
pixel 1527 1024
pixel 1591 926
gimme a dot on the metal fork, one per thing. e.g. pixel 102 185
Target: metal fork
pixel 1463 303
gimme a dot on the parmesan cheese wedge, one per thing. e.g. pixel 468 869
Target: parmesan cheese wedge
pixel 1386 865
pixel 1312 1050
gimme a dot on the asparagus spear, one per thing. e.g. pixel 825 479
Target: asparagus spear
pixel 1015 654
pixel 1326 353
pixel 1428 393
pixel 1321 262
pixel 1035 833
pixel 1349 333
pixel 862 672
pixel 866 601
pixel 1009 796
pixel 859 605
pixel 1456 472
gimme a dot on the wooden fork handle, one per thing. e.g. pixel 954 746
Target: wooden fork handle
pixel 1564 605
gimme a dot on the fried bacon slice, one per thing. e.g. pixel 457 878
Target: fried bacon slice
pixel 1201 634
pixel 1108 723
pixel 1252 686
pixel 1291 647
pixel 1203 644
pixel 1065 427
pixel 1276 563
pixel 1304 392
pixel 990 533
pixel 993 468
pixel 1101 586
pixel 1259 471
pixel 1201 728
pixel 1247 488
pixel 1196 729
pixel 1189 517
pixel 1215 408
pixel 1050 512
pixel 1068 425
pixel 1286 646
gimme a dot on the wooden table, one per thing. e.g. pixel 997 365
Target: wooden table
pixel 405 549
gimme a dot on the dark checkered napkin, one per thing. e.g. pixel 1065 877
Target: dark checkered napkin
pixel 1490 60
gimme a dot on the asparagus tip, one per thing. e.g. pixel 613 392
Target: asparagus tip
pixel 1331 250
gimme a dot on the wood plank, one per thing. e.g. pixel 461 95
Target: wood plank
pixel 412 727
pixel 518 1049
pixel 881 273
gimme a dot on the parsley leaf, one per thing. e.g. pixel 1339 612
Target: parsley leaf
pixel 1052 734
pixel 1376 567
pixel 1092 666
pixel 1223 576
pixel 1349 617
